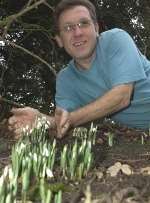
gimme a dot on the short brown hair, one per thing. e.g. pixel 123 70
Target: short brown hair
pixel 67 4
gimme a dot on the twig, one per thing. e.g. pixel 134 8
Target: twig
pixel 33 55
pixel 22 12
pixel 29 3
pixel 16 104
pixel 47 4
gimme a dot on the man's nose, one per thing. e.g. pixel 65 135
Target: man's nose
pixel 77 30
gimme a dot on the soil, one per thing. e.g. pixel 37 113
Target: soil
pixel 130 147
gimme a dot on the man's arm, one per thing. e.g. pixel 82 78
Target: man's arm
pixel 111 102
pixel 114 100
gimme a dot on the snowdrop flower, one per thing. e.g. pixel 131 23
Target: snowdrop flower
pixel 94 129
pixel 39 125
pixel 5 173
pixel 47 125
pixel 45 152
pixel 30 154
pixel 20 147
pixel 43 122
pixel 31 130
pixel 1 181
pixel 25 129
pixel 74 132
pixel 10 173
pixel 49 173
pixel 35 157
pixel 27 159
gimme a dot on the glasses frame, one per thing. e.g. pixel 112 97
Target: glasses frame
pixel 82 24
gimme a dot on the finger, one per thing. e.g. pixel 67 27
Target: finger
pixel 12 120
pixel 14 126
pixel 62 131
pixel 58 111
pixel 18 132
pixel 64 118
pixel 60 136
pixel 10 127
pixel 16 111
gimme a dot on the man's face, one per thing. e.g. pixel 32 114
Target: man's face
pixel 78 33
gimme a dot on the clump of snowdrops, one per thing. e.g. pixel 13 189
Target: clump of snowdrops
pixel 76 160
pixel 33 163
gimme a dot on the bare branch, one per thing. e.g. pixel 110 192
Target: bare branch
pixel 13 17
pixel 29 2
pixel 49 6
pixel 16 104
pixel 33 55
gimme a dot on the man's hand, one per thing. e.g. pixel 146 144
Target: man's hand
pixel 62 119
pixel 21 118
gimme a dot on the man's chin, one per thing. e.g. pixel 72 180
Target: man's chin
pixel 81 57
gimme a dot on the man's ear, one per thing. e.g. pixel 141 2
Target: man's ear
pixel 97 28
pixel 59 41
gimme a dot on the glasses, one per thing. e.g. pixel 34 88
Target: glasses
pixel 71 27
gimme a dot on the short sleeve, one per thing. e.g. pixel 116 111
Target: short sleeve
pixel 124 60
pixel 65 94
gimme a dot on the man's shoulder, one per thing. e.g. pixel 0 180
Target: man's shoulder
pixel 65 71
pixel 113 37
pixel 108 34
pixel 111 32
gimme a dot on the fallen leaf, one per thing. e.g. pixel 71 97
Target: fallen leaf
pixel 126 169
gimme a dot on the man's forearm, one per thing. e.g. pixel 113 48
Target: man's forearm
pixel 112 101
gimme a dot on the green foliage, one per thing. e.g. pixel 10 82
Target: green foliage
pixel 34 166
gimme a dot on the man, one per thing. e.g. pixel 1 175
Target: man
pixel 107 75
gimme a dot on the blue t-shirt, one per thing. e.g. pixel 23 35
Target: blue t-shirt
pixel 117 61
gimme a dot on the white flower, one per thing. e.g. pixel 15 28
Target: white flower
pixel 94 129
pixel 10 173
pixel 22 146
pixel 25 129
pixel 35 157
pixel 45 152
pixel 31 130
pixel 49 173
pixel 1 181
pixel 27 159
pixel 5 173
pixel 74 132
pixel 38 119
pixel 30 154
pixel 39 125
pixel 47 125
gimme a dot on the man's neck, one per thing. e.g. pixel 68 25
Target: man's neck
pixel 84 64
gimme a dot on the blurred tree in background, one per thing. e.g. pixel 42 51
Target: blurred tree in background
pixel 29 56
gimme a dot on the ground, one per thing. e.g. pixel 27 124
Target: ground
pixel 121 173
